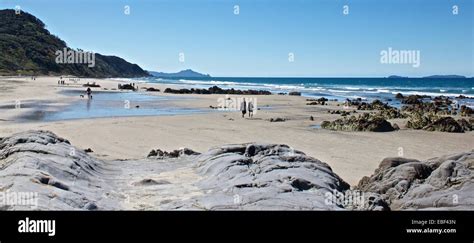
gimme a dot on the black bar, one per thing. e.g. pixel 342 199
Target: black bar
pixel 242 226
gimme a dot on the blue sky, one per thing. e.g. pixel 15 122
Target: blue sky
pixel 257 41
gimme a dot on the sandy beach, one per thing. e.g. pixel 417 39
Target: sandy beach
pixel 351 155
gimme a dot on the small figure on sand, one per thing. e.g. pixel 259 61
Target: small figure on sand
pixel 250 109
pixel 89 93
pixel 243 108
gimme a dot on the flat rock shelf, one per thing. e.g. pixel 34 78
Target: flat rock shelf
pixel 230 177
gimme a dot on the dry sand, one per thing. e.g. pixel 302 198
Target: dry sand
pixel 351 155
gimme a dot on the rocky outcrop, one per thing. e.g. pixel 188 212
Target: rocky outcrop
pixel 383 109
pixel 294 93
pixel 64 177
pixel 342 112
pixel 277 119
pixel 444 183
pixel 413 99
pixel 126 87
pixel 444 124
pixel 440 105
pixel 241 176
pixel 364 122
pixel 319 101
pixel 399 96
pixel 160 154
pixel 466 111
pixel 217 90
pixel 466 125
pixel 151 89
pixel 431 122
pixel 264 176
pixel 375 105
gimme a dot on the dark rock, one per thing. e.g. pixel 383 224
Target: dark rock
pixel 466 126
pixel 341 112
pixel 150 182
pixel 432 122
pixel 91 206
pixel 384 110
pixel 88 150
pixel 363 122
pixel 92 85
pixel 126 87
pixel 295 93
pixel 250 150
pixel 412 99
pixel 217 90
pixel 278 119
pixel 466 111
pixel 444 124
pixel 151 89
pixel 173 154
pixel 439 105
pixel 320 101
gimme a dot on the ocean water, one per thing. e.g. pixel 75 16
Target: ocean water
pixel 341 88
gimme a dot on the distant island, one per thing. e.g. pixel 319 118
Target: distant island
pixel 188 73
pixel 28 48
pixel 445 76
pixel 396 76
pixel 431 76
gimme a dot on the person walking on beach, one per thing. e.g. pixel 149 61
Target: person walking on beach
pixel 250 109
pixel 243 108
pixel 89 92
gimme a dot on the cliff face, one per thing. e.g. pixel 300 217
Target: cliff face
pixel 28 48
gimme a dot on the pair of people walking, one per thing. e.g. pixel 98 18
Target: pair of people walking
pixel 244 107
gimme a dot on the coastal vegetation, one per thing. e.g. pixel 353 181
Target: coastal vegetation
pixel 28 48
